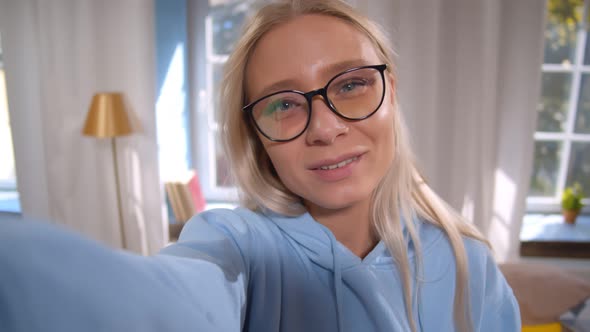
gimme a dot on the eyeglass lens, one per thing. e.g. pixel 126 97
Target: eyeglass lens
pixel 354 95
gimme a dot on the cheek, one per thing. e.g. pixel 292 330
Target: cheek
pixel 382 130
pixel 278 161
pixel 382 122
pixel 284 160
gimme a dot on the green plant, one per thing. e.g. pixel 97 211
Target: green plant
pixel 571 199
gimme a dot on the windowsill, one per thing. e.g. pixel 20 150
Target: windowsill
pixel 547 235
pixel 9 202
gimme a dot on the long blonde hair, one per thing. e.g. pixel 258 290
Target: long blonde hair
pixel 401 195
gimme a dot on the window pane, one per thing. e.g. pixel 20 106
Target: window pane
pixel 223 178
pixel 587 50
pixel 226 21
pixel 579 165
pixel 553 105
pixel 545 168
pixel 583 113
pixel 563 18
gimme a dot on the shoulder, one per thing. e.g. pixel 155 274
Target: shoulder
pixel 480 261
pixel 438 257
pixel 483 273
pixel 437 245
pixel 492 302
pixel 220 232
pixel 236 223
pixel 494 306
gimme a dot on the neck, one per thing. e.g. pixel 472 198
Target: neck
pixel 351 226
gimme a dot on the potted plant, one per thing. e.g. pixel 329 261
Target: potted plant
pixel 571 202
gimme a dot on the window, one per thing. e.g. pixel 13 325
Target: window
pixel 9 201
pixel 222 27
pixel 562 137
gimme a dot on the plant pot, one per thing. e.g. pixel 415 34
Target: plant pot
pixel 570 216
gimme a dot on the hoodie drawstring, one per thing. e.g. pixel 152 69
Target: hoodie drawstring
pixel 337 271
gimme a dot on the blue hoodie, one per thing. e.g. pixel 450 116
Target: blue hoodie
pixel 238 270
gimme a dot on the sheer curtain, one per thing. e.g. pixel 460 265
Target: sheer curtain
pixel 469 80
pixel 57 54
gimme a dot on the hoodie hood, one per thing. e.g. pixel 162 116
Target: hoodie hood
pixel 320 245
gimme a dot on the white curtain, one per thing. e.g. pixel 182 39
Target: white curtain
pixel 469 80
pixel 57 54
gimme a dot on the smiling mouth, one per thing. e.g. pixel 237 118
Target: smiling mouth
pixel 340 164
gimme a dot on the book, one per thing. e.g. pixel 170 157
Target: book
pixel 174 200
pixel 194 186
pixel 185 196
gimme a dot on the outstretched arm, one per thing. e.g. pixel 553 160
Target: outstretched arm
pixel 54 280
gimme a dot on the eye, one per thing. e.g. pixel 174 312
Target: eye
pixel 349 86
pixel 352 87
pixel 284 105
pixel 281 108
pixel 278 105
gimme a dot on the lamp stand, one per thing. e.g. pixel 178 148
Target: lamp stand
pixel 119 208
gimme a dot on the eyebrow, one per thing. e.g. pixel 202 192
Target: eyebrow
pixel 333 69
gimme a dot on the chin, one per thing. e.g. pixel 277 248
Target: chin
pixel 337 201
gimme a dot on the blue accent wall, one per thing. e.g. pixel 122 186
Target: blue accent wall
pixel 173 111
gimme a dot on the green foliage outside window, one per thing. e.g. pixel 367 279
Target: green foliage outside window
pixel 563 21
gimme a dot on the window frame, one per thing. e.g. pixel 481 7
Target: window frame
pixel 568 136
pixel 205 129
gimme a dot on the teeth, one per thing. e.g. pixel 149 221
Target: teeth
pixel 340 164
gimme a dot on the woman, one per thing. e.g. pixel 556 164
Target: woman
pixel 339 231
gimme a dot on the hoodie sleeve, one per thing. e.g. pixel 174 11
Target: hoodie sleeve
pixel 494 306
pixel 217 243
pixel 54 280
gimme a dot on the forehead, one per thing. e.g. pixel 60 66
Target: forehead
pixel 304 52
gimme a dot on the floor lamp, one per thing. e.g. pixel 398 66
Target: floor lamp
pixel 107 118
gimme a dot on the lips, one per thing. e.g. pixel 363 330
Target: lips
pixel 340 164
pixel 334 163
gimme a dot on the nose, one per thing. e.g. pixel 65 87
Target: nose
pixel 324 125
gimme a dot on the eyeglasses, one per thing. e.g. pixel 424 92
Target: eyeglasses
pixel 354 94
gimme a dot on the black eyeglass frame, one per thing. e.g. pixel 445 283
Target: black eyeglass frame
pixel 309 96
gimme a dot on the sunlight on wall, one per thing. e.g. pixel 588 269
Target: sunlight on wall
pixel 170 117
pixel 500 233
pixel 505 196
pixel 468 208
pixel 137 203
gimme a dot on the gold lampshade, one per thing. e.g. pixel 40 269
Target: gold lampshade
pixel 107 116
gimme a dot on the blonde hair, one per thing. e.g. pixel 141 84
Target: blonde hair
pixel 402 193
